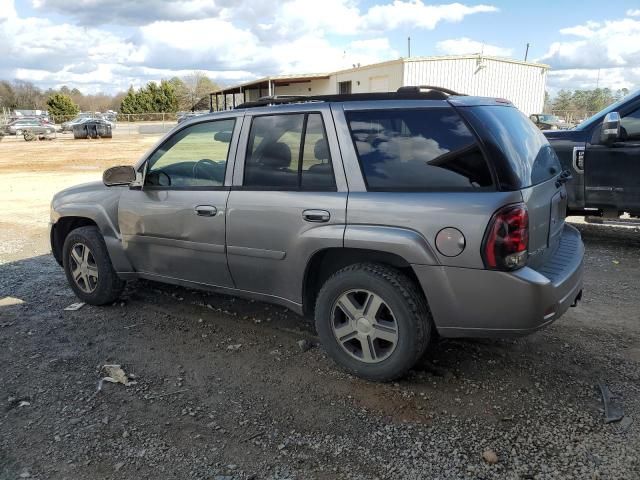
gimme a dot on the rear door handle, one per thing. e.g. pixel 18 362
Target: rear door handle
pixel 206 210
pixel 316 215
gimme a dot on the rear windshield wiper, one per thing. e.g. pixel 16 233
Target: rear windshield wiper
pixel 563 178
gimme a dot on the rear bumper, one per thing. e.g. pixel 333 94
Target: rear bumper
pixel 483 303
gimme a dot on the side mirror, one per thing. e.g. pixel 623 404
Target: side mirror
pixel 123 175
pixel 610 128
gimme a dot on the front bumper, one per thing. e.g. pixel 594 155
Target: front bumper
pixel 468 302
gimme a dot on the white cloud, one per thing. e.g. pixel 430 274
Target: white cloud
pixel 465 46
pixel 229 47
pixel 343 17
pixel 414 13
pixel 7 9
pixel 302 16
pixel 129 12
pixel 633 12
pixel 605 54
pixel 579 79
pixel 108 46
pixel 601 45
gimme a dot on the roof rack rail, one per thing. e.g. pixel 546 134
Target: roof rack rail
pixel 426 88
pixel 277 100
pixel 403 93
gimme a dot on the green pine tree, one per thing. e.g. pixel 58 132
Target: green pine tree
pixel 60 104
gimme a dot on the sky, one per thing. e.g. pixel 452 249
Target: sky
pixel 106 46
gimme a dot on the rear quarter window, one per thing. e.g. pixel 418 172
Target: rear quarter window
pixel 528 159
pixel 417 150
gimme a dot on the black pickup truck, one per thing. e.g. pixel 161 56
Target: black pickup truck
pixel 603 155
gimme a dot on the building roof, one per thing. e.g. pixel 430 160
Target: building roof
pixel 306 77
pixel 475 56
pixel 276 79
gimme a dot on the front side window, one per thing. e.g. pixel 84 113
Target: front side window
pixel 630 127
pixel 429 149
pixel 288 152
pixel 194 157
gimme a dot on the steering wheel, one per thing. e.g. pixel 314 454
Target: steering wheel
pixel 200 163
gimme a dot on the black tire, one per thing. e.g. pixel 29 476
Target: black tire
pixel 108 286
pixel 410 311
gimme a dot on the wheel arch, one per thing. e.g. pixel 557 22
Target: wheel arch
pixel 61 229
pixel 66 219
pixel 326 262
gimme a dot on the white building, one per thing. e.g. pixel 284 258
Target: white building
pixel 523 83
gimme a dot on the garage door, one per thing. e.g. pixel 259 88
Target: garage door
pixel 379 84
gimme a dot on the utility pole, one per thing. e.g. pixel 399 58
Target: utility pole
pixel 526 53
pixel 409 47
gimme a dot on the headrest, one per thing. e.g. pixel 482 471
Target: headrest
pixel 276 155
pixel 321 149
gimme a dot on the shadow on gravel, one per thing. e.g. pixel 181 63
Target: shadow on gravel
pixel 609 235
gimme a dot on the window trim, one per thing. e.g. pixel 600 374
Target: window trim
pixel 492 189
pixel 298 188
pixel 145 165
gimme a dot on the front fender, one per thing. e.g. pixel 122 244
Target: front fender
pixel 99 204
pixel 94 212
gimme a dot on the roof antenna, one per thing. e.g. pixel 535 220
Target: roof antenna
pixel 408 47
pixel 526 53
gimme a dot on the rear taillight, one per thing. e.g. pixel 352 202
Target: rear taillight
pixel 506 242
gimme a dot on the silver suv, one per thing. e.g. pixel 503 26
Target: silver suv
pixel 390 218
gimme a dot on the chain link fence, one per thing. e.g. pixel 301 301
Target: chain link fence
pixel 130 123
pixel 121 117
pixel 573 116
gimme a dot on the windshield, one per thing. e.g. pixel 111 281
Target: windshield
pixel 548 118
pixel 611 108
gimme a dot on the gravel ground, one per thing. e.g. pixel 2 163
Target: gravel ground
pixel 224 390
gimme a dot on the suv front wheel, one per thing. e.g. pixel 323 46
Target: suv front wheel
pixel 373 321
pixel 88 267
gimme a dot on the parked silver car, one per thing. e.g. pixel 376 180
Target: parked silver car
pixel 35 125
pixel 389 218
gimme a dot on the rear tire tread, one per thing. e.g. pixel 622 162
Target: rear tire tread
pixel 414 300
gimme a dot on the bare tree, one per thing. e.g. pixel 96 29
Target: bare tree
pixel 196 86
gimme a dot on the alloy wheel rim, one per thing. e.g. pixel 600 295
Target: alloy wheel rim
pixel 364 326
pixel 83 268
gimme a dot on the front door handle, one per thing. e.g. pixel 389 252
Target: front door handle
pixel 316 215
pixel 206 210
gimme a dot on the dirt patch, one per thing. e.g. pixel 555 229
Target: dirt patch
pixel 64 154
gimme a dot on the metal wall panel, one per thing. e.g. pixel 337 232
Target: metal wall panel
pixel 362 78
pixel 522 84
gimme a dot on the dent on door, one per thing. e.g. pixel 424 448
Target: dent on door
pixel 175 234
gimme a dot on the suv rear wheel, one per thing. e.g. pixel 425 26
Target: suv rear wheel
pixel 373 321
pixel 88 267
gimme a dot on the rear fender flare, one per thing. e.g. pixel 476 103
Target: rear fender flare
pixel 403 242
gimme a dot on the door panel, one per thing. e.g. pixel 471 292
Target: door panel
pixel 163 234
pixel 612 171
pixel 611 176
pixel 174 226
pixel 288 201
pixel 270 241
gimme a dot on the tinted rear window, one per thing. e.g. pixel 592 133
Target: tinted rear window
pixel 430 149
pixel 530 158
